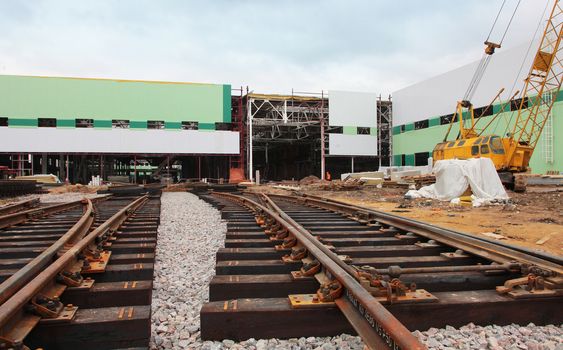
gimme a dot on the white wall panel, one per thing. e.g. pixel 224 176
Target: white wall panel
pixel 352 108
pixel 86 140
pixel 352 145
pixel 438 96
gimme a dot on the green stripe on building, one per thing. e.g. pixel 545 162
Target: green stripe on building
pixel 102 123
pixel 22 122
pixel 227 103
pixel 409 127
pixel 433 122
pixel 396 130
pixel 206 126
pixel 350 130
pixel 66 123
pixel 133 124
pixel 173 125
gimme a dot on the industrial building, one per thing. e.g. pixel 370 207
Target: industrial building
pixel 76 128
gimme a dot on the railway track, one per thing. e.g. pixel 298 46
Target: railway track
pixel 307 266
pixel 78 274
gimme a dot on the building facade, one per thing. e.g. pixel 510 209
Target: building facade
pixel 422 112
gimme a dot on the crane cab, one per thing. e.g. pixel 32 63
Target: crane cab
pixel 491 146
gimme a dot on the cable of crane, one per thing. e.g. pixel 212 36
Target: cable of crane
pixel 482 67
pixel 496 19
pixel 522 65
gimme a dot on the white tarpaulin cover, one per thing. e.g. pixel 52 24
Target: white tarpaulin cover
pixel 453 176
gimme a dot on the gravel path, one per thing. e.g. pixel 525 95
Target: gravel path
pixel 190 233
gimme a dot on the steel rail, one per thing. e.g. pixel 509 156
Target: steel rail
pixel 23 275
pixel 487 250
pixel 27 215
pixel 15 207
pixel 375 324
pixel 537 253
pixel 13 309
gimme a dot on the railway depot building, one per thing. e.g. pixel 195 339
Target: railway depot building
pixel 76 128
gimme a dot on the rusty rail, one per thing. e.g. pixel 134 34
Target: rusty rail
pixel 373 322
pixel 482 248
pixel 12 208
pixel 15 323
pixel 32 214
pixel 23 275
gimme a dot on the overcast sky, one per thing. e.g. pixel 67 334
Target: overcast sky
pixel 270 46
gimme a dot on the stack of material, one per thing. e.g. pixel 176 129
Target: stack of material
pixel 454 178
pixel 420 180
pixel 41 178
pixel 309 180
pixel 364 174
pixel 336 185
pixel 12 188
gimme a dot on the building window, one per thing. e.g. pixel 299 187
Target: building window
pixel 515 104
pixel 421 158
pixel 190 125
pixel 223 126
pixel 403 159
pixel 47 122
pixel 363 131
pixel 84 123
pixel 483 111
pixel 335 130
pixel 446 119
pixel 120 124
pixel 423 124
pixel 3 121
pixel 403 129
pixel 155 124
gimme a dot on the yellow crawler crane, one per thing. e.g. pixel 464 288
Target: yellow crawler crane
pixel 511 153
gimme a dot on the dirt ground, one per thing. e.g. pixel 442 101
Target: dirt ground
pixel 527 220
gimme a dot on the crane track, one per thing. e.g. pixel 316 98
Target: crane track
pixel 251 294
pixel 109 295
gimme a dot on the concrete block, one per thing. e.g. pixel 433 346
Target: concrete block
pixel 400 174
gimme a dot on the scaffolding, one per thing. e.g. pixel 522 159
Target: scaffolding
pixel 274 120
pixel 384 131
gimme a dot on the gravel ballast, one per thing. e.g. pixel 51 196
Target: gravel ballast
pixel 189 235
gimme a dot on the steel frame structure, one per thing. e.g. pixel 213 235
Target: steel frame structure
pixel 274 119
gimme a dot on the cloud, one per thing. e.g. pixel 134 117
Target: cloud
pixel 271 46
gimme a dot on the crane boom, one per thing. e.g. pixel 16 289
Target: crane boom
pixel 540 90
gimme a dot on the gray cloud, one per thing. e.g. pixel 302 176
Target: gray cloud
pixel 272 46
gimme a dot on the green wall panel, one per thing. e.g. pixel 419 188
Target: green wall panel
pixel 409 159
pixel 173 125
pixel 102 123
pixel 409 127
pixel 396 130
pixel 70 98
pixel 350 130
pixel 66 123
pixel 373 131
pixel 433 122
pixel 206 126
pixel 423 140
pixel 397 160
pixel 227 103
pixel 17 122
pixel 134 124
